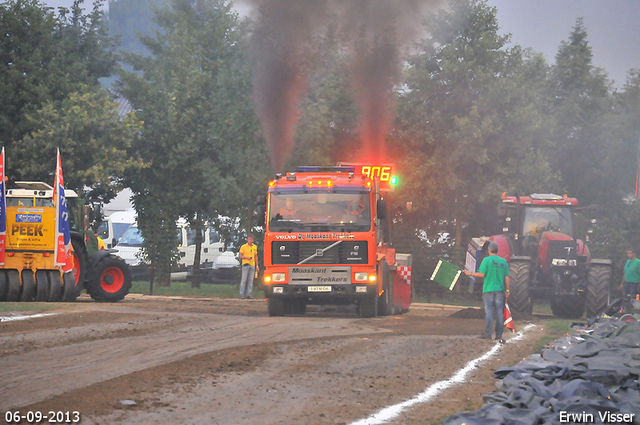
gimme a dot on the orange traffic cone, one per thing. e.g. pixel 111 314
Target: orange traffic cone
pixel 508 320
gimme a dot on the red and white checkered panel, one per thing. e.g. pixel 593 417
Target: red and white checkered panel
pixel 404 273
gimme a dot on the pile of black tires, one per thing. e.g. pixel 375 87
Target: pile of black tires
pixel 590 376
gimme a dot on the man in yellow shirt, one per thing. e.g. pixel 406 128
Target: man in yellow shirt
pixel 249 256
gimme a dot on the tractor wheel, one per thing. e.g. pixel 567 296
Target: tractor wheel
pixel 42 286
pixel 368 306
pixel 3 286
pixel 28 286
pixel 519 287
pixel 567 306
pixel 598 289
pixel 385 303
pixel 109 280
pixel 55 286
pixel 80 263
pixel 13 290
pixel 628 318
pixel 276 306
pixel 69 287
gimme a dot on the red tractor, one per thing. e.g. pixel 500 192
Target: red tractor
pixel 546 259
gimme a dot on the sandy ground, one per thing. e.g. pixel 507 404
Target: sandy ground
pixel 160 360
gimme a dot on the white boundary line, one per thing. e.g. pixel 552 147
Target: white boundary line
pixel 430 392
pixel 33 316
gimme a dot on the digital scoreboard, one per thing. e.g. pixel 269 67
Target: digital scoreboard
pixel 380 172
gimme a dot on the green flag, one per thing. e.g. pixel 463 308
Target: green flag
pixel 446 274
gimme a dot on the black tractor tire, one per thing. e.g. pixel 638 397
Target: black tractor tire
pixel 69 287
pixel 598 289
pixel 55 286
pixel 109 280
pixel 13 285
pixel 42 286
pixel 81 263
pixel 276 306
pixel 520 287
pixel 385 303
pixel 567 306
pixel 28 286
pixel 3 286
pixel 368 306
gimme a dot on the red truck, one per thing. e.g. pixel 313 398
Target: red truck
pixel 327 242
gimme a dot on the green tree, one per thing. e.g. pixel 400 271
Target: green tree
pixel 93 143
pixel 467 129
pixel 581 105
pixel 44 57
pixel 200 138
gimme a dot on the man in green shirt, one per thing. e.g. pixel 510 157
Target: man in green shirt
pixel 495 271
pixel 631 275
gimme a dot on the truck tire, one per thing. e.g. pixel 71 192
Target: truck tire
pixel 275 306
pixel 567 306
pixel 80 263
pixel 55 286
pixel 109 280
pixel 598 289
pixel 42 286
pixel 385 303
pixel 519 287
pixel 297 307
pixel 28 286
pixel 69 287
pixel 368 306
pixel 13 285
pixel 3 286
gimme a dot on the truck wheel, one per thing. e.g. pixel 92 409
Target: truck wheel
pixel 80 263
pixel 42 286
pixel 567 306
pixel 385 303
pixel 519 287
pixel 368 306
pixel 598 289
pixel 3 286
pixel 109 280
pixel 275 306
pixel 13 290
pixel 69 287
pixel 55 286
pixel 298 307
pixel 28 286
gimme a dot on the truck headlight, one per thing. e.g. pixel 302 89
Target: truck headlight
pixel 278 290
pixel 361 277
pixel 277 277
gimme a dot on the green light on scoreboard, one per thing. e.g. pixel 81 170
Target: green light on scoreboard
pixel 393 181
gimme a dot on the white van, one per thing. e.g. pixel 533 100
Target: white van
pixel 130 249
pixel 114 226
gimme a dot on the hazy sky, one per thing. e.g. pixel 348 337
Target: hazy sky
pixel 613 28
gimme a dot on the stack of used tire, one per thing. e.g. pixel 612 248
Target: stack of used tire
pixel 590 376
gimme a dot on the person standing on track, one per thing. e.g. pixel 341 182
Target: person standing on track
pixel 495 291
pixel 249 256
pixel 631 277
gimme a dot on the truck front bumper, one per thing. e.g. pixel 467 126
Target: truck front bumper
pixel 334 293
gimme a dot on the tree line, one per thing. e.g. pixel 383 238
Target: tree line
pixel 476 116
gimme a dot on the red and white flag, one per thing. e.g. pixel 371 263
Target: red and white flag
pixel 3 210
pixel 508 320
pixel 63 256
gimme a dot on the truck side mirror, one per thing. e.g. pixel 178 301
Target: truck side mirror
pixel 381 209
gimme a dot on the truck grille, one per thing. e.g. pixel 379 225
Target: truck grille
pixel 316 252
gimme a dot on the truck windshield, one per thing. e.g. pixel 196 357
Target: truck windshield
pixel 547 219
pixel 131 237
pixel 320 212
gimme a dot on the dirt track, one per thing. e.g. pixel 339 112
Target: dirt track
pixel 215 361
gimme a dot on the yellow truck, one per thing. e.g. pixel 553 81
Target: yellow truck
pixel 30 271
